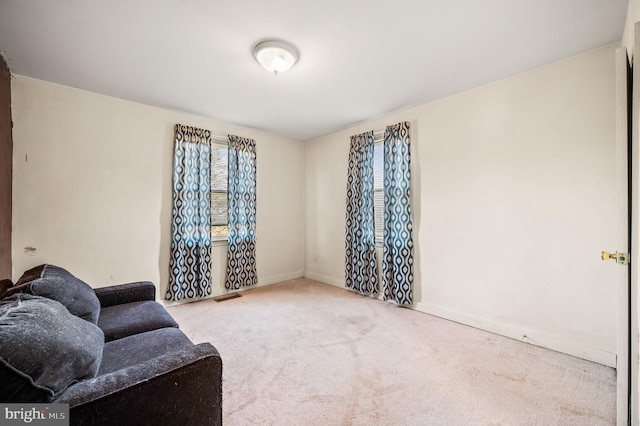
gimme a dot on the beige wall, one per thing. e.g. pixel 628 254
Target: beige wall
pixel 514 197
pixel 92 188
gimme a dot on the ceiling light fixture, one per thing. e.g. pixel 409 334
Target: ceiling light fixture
pixel 276 55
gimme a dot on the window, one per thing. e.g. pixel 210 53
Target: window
pixel 219 175
pixel 378 190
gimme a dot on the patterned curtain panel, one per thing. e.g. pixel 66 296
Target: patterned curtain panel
pixel 241 248
pixel 190 264
pixel 397 263
pixel 361 268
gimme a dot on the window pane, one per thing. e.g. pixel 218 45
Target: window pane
pixel 219 175
pixel 378 166
pixel 219 168
pixel 378 191
pixel 218 208
pixel 219 231
pixel 378 214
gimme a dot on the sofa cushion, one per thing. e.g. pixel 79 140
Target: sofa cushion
pixel 5 285
pixel 140 348
pixel 58 284
pixel 123 320
pixel 44 348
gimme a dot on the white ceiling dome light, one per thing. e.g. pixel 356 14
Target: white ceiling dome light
pixel 276 55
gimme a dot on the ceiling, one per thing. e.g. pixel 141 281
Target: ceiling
pixel 359 59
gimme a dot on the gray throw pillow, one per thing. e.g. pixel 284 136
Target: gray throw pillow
pixel 58 284
pixel 44 349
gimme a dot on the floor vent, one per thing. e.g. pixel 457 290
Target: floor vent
pixel 226 297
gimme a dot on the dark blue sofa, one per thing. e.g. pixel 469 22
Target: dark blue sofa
pixel 113 354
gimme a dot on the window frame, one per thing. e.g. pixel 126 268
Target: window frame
pixel 220 238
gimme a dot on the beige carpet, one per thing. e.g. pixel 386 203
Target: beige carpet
pixel 306 353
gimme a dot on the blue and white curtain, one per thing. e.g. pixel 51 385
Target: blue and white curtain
pixel 361 268
pixel 190 263
pixel 397 263
pixel 241 248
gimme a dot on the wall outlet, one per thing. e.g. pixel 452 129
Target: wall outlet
pixel 316 258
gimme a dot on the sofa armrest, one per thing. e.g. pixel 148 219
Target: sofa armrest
pixel 126 293
pixel 178 388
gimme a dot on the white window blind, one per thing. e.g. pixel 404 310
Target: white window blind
pixel 378 190
pixel 219 176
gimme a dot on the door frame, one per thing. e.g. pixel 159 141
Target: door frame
pixel 623 175
pixel 634 180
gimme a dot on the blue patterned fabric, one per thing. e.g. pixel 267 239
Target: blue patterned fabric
pixel 397 263
pixel 241 247
pixel 190 263
pixel 361 268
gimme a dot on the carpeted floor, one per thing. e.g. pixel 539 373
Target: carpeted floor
pixel 306 353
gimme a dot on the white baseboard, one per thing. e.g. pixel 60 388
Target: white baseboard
pixel 533 337
pixel 262 281
pixel 324 279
